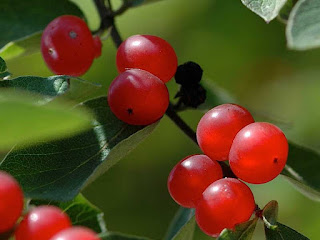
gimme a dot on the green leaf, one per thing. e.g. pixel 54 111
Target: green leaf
pixel 23 122
pixel 120 236
pixel 187 231
pixel 243 231
pixel 22 47
pixel 58 170
pixel 4 75
pixel 3 66
pixel 275 230
pixel 270 214
pixel 302 170
pixel 285 10
pixel 52 87
pixel 48 87
pixel 80 211
pixel 303 29
pixel 267 9
pixel 181 218
pixel 90 11
pixel 23 18
pixel 282 232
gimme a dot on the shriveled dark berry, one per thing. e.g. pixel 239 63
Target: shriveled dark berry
pixel 188 74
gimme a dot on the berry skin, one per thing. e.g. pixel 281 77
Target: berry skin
pixel 259 153
pixel 76 233
pixel 42 223
pixel 224 204
pixel 137 97
pixel 98 46
pixel 11 201
pixel 149 53
pixel 190 177
pixel 67 46
pixel 218 127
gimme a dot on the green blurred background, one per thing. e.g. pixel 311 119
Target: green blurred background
pixel 239 52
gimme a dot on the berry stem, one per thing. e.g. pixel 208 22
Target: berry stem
pixel 172 114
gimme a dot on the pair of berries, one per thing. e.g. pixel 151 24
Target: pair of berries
pixel 68 46
pixel 41 223
pixel 257 153
pixel 138 95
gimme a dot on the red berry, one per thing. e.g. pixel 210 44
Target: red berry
pixel 218 127
pixel 67 46
pixel 259 153
pixel 190 177
pixel 224 204
pixel 42 223
pixel 149 53
pixel 137 97
pixel 11 201
pixel 98 46
pixel 76 233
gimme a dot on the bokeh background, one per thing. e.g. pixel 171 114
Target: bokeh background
pixel 240 53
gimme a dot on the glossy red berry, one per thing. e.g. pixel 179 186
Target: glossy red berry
pixel 218 127
pixel 259 153
pixel 149 53
pixel 67 46
pixel 76 233
pixel 137 97
pixel 11 201
pixel 190 177
pixel 224 204
pixel 42 223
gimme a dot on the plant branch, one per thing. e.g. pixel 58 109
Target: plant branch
pixel 116 38
pixel 124 7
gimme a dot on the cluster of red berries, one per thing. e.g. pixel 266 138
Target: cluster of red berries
pixel 257 153
pixel 40 223
pixel 68 46
pixel 138 95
